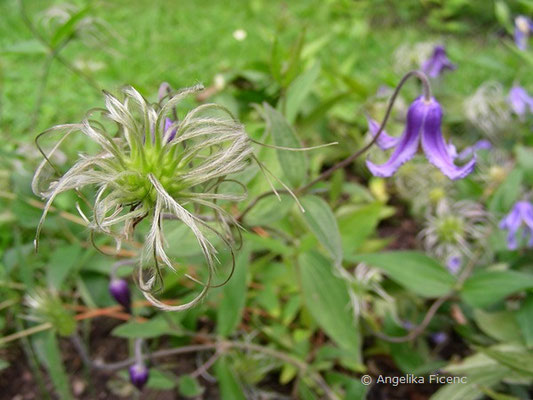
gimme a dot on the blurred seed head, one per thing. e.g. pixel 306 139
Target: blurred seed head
pixel 487 109
pixel 423 187
pixel 46 307
pixel 452 228
pixel 411 56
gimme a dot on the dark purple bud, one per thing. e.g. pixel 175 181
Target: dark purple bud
pixel 138 375
pixel 120 290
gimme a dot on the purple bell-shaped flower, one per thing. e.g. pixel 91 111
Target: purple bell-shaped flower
pixel 424 119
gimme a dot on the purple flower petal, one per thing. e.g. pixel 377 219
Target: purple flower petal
pixel 385 141
pixel 482 144
pixel 453 264
pixel 407 146
pixel 436 149
pixel 521 213
pixel 168 125
pixel 437 63
pixel 522 30
pixel 520 100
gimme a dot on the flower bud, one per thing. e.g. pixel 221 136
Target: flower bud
pixel 138 375
pixel 121 292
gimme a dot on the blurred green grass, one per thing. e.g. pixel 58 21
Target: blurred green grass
pixel 185 43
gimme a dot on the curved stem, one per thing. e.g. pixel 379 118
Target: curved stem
pixel 427 95
pixel 420 328
pixel 326 174
pixel 220 348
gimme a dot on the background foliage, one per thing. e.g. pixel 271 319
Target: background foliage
pixel 319 294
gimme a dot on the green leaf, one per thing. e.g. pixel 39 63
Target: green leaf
pixel 321 221
pixel 524 157
pixel 189 386
pixel 413 270
pixel 480 371
pixel 327 299
pixel 358 225
pixel 503 15
pixel 298 90
pixel 55 367
pixel 507 193
pixel 270 210
pixel 61 264
pixel 229 309
pixel 520 361
pixel 524 317
pixel 501 326
pixel 488 287
pixel 3 364
pixel 150 329
pixel 32 46
pixel 293 163
pixel 68 29
pixel 160 380
pixel 230 388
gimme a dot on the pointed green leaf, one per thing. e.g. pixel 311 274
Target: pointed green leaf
pixel 55 366
pixel 489 287
pixel 230 388
pixel 189 386
pixel 298 90
pixel 321 221
pixel 229 310
pixel 520 361
pixel 415 271
pixel 61 264
pixel 328 301
pixel 293 163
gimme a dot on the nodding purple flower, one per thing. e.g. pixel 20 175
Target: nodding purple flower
pixel 437 63
pixel 453 264
pixel 523 26
pixel 520 100
pixel 424 119
pixel 521 214
pixel 120 290
pixel 139 375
